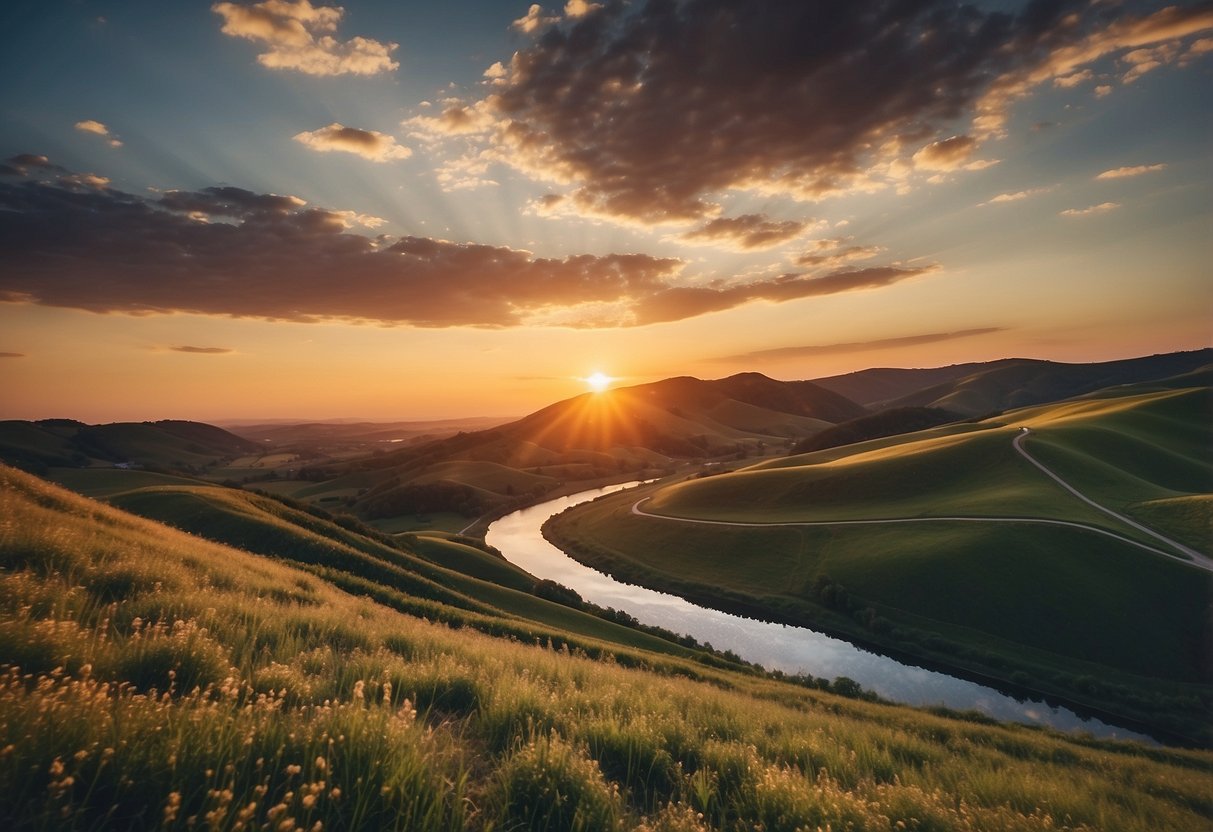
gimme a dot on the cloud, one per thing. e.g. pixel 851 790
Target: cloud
pixel 834 252
pixel 369 144
pixel 680 302
pixel 654 112
pixel 579 8
pixel 12 355
pixel 1136 170
pixel 950 154
pixel 233 252
pixel 297 35
pixel 1101 208
pixel 855 346
pixel 1015 196
pixel 533 19
pixel 456 119
pixel 98 129
pixel 42 169
pixel 203 350
pixel 23 164
pixel 1064 41
pixel 748 232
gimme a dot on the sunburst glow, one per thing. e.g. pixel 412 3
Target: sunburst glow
pixel 598 381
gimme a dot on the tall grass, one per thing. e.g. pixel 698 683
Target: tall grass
pixel 156 681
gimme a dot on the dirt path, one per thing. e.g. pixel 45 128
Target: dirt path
pixel 1188 556
pixel 1196 556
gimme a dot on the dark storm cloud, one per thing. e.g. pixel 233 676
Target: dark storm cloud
pixel 855 346
pixel 230 251
pixel 25 163
pixel 12 355
pixel 229 202
pixel 649 111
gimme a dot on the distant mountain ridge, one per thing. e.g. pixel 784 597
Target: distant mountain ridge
pixel 980 388
pixel 169 443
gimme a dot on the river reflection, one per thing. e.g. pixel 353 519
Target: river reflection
pixel 775 646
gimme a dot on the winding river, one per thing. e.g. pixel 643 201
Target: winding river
pixel 775 646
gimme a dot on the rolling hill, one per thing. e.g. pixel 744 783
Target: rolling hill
pixel 950 545
pixel 978 389
pixel 169 444
pixel 622 433
pixel 152 679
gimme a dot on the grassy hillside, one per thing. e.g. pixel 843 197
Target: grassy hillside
pixel 875 426
pixel 583 442
pixel 156 680
pixel 1021 382
pixel 1035 605
pixel 440 577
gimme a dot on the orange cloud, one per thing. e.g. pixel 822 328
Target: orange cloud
pixel 98 129
pixel 533 19
pixel 1135 170
pixel 1101 208
pixel 1014 196
pixel 1080 39
pixel 833 253
pixel 369 144
pixel 949 154
pixel 296 36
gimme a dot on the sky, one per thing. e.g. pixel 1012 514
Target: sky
pixel 417 210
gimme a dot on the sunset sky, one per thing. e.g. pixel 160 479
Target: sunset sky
pixel 407 210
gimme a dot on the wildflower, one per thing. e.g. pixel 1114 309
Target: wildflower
pixel 321 764
pixel 171 807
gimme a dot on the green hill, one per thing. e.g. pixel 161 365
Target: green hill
pixel 153 679
pixel 588 440
pixel 982 388
pixel 1043 606
pixel 168 444
pixel 876 425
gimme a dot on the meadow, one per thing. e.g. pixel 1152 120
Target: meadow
pixel 1061 611
pixel 156 680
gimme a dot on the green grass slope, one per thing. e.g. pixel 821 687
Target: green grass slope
pixel 497 599
pixel 153 680
pixel 1062 610
pixel 168 444
pixel 1021 382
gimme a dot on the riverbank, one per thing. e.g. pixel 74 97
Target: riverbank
pixel 1171 715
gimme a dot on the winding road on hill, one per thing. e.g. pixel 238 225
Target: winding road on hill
pixel 1187 555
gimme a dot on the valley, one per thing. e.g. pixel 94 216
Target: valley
pixel 1002 550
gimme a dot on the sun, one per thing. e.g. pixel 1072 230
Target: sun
pixel 598 381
